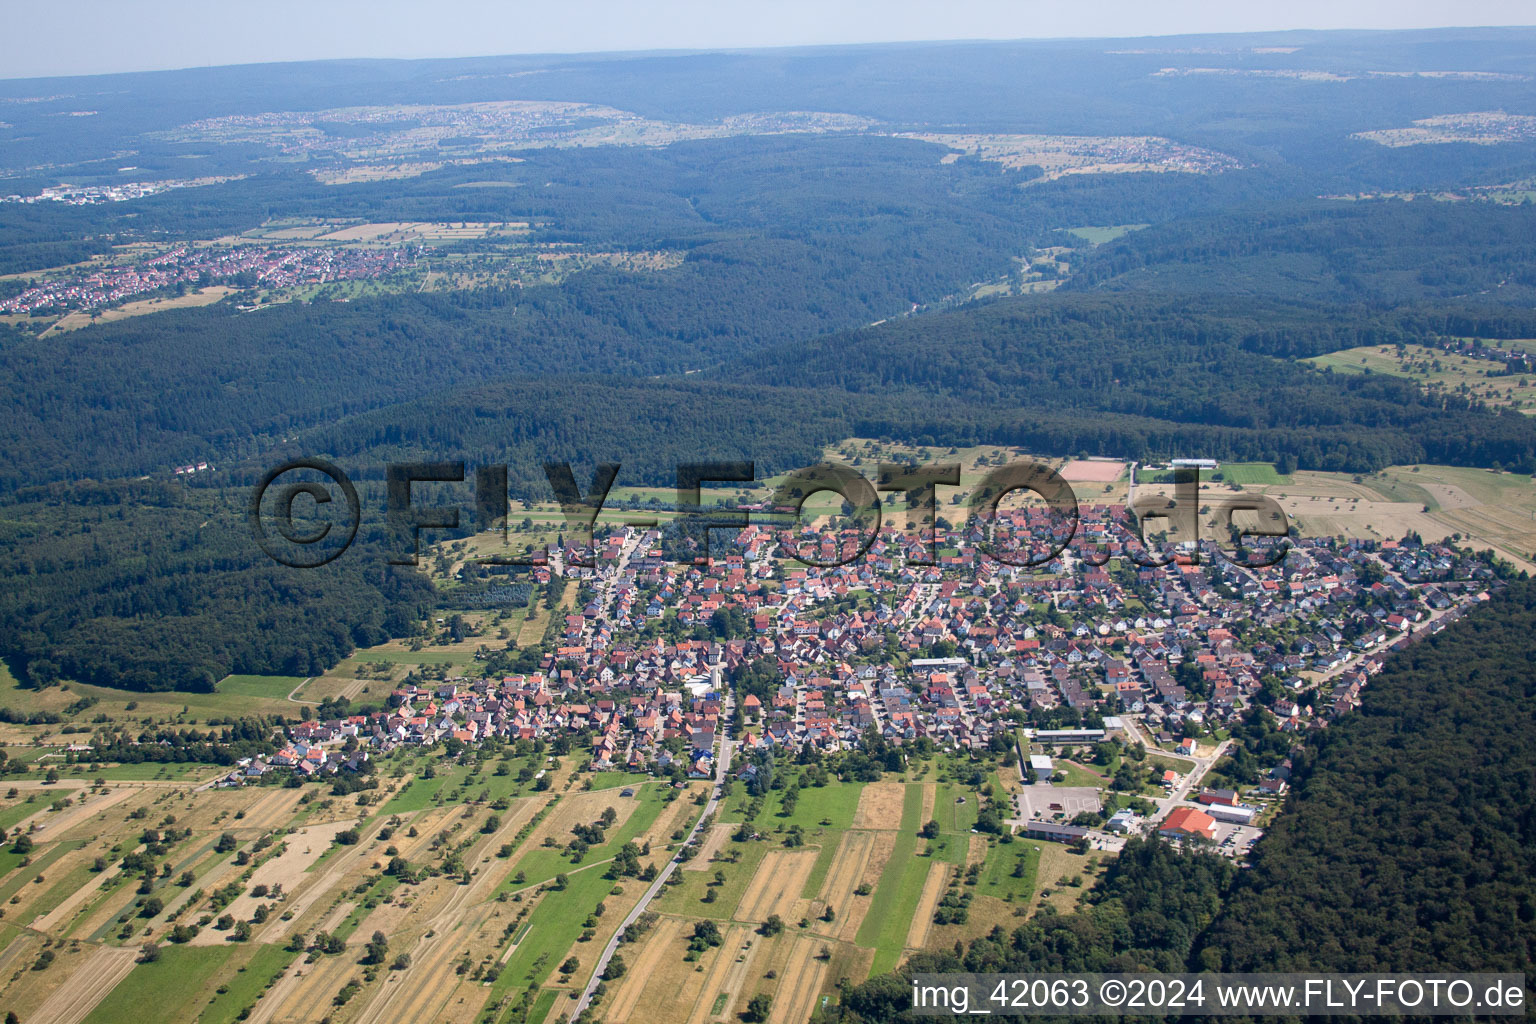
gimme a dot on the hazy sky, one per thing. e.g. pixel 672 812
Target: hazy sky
pixel 68 37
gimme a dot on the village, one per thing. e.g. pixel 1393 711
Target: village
pixel 968 654
pixel 190 267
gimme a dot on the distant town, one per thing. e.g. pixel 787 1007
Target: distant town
pixel 187 266
pixel 91 195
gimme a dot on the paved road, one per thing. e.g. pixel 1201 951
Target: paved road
pixel 722 768
pixel 1192 778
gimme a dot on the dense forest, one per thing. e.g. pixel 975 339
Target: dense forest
pixel 1019 371
pixel 150 586
pixel 1186 365
pixel 1381 252
pixel 1409 843
pixel 1385 858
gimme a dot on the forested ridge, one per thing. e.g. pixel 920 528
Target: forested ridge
pixel 152 586
pixel 1189 366
pixel 1382 252
pixel 1407 843
pixel 374 380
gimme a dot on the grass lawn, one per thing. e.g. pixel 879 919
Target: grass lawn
pixel 59 889
pixel 1179 767
pixel 1367 359
pixel 39 866
pixel 247 985
pixel 901 886
pixel 613 780
pixel 1069 774
pixel 145 771
pixel 1483 485
pixel 1435 371
pixel 420 793
pixel 13 813
pixel 380 889
pixel 30 755
pixel 276 687
pixel 1104 233
pixel 1249 474
pixel 830 841
pixel 19 698
pixel 10 859
pixel 686 898
pixel 951 814
pixel 1393 487
pixel 163 990
pixel 834 803
pixel 542 1006
pixel 950 847
pixel 114 703
pixel 543 864
pixel 997 871
pixel 422 657
pixel 556 922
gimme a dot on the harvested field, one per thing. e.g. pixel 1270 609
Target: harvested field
pixel 97 919
pixel 412 231
pixel 880 805
pixel 976 852
pixel 454 918
pixel 776 886
pixel 426 989
pixel 852 911
pixel 427 824
pixel 303 988
pixel 288 869
pixel 19 949
pixel 59 916
pixel 737 942
pixel 578 809
pixel 272 809
pixel 643 970
pixel 1057 862
pixel 673 987
pixel 673 816
pixel 717 837
pixel 437 994
pixel 391 915
pixel 367 232
pixel 202 297
pixel 87 986
pixel 1058 155
pixel 933 891
pixel 53 825
pixel 738 979
pixel 800 982
pixel 847 869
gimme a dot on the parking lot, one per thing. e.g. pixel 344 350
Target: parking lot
pixel 1236 840
pixel 1043 801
